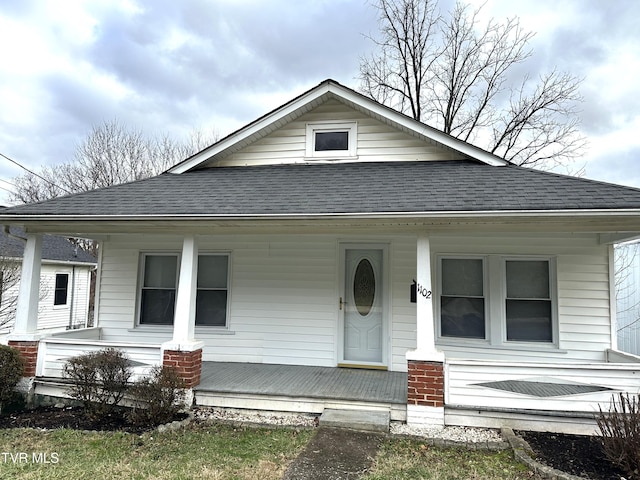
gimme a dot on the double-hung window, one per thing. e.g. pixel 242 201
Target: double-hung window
pixel 159 283
pixel 528 301
pixel 211 298
pixel 497 299
pixel 462 303
pixel 61 290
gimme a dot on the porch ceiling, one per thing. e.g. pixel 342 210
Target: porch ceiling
pixel 615 226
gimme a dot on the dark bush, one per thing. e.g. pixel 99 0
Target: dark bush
pixel 620 433
pixel 11 367
pixel 157 398
pixel 99 379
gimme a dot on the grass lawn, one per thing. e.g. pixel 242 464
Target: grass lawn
pixel 221 452
pixel 212 452
pixel 413 460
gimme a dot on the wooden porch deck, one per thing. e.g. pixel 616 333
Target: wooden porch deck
pixel 301 388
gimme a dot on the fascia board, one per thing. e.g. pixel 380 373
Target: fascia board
pixel 19 219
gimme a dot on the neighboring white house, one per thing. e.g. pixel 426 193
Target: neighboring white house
pixel 336 232
pixel 64 284
pixel 628 297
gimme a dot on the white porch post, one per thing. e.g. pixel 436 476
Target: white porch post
pixel 425 341
pixel 25 337
pixel 26 323
pixel 425 389
pixel 183 352
pixel 185 314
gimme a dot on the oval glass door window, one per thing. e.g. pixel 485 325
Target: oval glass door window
pixel 364 287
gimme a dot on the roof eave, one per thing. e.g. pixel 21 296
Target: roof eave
pixel 626 212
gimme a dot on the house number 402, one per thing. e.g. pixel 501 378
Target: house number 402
pixel 423 291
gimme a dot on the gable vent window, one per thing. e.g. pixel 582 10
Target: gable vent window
pixel 331 140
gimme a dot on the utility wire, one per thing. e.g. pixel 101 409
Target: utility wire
pixel 7 181
pixel 34 173
pixel 7 190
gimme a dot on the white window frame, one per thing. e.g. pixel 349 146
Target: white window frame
pixel 495 294
pixel 227 289
pixel 552 294
pixel 140 287
pixel 328 127
pixel 486 297
pixel 178 256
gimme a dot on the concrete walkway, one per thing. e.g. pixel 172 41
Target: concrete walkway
pixel 335 454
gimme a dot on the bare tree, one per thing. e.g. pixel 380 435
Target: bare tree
pixel 111 154
pixel 10 270
pixel 9 283
pixel 453 73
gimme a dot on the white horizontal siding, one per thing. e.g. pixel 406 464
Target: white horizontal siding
pixel 463 389
pixel 76 310
pixel 50 316
pixel 376 141
pixel 282 298
pixel 283 295
pixel 54 353
pixel 582 290
pixel 403 313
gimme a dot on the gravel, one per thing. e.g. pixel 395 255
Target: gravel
pixel 451 434
pixel 233 415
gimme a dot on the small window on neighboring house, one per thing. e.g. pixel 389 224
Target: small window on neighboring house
pixel 61 289
pixel 158 295
pixel 211 299
pixel 528 301
pixel 331 140
pixel 462 303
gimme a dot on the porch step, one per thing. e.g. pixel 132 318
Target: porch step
pixel 364 420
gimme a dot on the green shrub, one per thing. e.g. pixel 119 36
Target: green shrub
pixel 157 398
pixel 11 367
pixel 620 433
pixel 98 379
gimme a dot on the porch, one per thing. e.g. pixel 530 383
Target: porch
pixel 296 388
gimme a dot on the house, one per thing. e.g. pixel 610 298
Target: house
pixel 63 301
pixel 337 236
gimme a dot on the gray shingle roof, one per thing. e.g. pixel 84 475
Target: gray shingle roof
pixel 53 248
pixel 385 187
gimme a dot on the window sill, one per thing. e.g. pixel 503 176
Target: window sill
pixel 200 329
pixel 151 329
pixel 522 347
pixel 329 158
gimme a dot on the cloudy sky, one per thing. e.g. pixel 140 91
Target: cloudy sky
pixel 175 66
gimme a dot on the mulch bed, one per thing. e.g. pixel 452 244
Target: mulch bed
pixel 73 417
pixel 578 455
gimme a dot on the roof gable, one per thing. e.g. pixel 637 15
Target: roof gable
pixel 314 98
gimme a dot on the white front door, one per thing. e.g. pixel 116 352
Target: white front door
pixel 363 303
